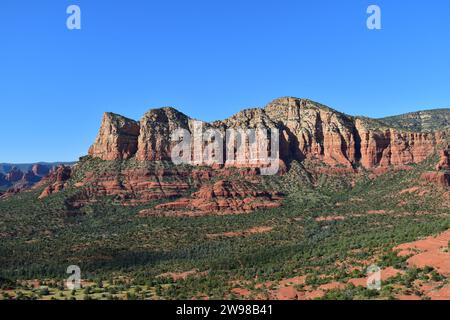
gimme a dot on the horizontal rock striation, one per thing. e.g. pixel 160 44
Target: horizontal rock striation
pixel 56 181
pixel 306 130
pixel 223 196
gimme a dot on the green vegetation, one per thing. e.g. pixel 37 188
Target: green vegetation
pixel 428 120
pixel 123 255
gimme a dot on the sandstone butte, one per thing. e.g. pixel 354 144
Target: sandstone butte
pixel 307 130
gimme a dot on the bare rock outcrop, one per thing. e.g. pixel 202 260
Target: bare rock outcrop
pixel 439 178
pixel 156 127
pixel 57 180
pixel 225 197
pixel 307 130
pixel 385 147
pixel 444 159
pixel 117 138
pixel 14 175
pixel 40 170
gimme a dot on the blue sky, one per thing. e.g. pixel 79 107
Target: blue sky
pixel 209 59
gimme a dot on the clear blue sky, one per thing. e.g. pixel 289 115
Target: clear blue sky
pixel 209 59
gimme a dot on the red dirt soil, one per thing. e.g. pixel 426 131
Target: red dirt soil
pixel 428 252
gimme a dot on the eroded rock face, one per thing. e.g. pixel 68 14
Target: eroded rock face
pixel 57 179
pixel 439 178
pixel 226 197
pixel 14 175
pixel 156 127
pixel 117 138
pixel 444 159
pixel 307 130
pixel 386 147
pixel 136 185
pixel 40 170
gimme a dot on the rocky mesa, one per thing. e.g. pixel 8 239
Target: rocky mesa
pixel 306 130
pixel 131 160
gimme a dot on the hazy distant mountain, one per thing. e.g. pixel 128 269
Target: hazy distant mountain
pixel 25 167
pixel 24 175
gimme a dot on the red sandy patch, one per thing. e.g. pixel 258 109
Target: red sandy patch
pixel 386 274
pixel 440 294
pixel 428 252
pixel 287 290
pixel 376 212
pixel 332 285
pixel 248 232
pixel 287 293
pixel 241 292
pixel 293 281
pixel 410 190
pixel 409 297
pixel 330 218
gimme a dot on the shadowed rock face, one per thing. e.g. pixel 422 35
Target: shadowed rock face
pixel 439 178
pixel 307 130
pixel 444 159
pixel 14 175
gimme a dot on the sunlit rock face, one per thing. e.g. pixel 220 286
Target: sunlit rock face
pixel 306 130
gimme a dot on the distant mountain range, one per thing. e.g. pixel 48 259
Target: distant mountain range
pixel 25 167
pixel 24 175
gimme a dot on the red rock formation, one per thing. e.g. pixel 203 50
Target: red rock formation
pixel 444 159
pixel 40 170
pixel 313 130
pixel 439 178
pixel 157 125
pixel 307 130
pixel 57 179
pixel 14 175
pixel 137 185
pixel 226 197
pixel 30 178
pixel 117 138
pixel 386 147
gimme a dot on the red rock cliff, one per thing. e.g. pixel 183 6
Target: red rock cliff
pixel 117 138
pixel 307 130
